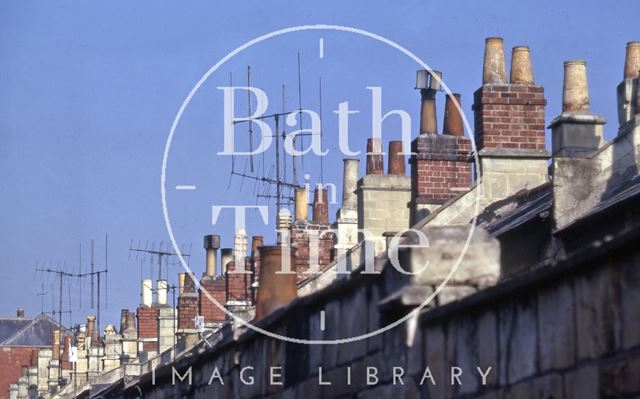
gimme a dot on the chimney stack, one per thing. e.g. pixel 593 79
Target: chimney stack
pixel 55 345
pixel 302 203
pixel 211 245
pixel 320 206
pixel 494 69
pixel 162 292
pixel 396 159
pixel 575 92
pixel 147 292
pixel 428 83
pixel 521 70
pixel 20 312
pixel 226 256
pixel 576 132
pixel 452 118
pixel 375 164
pixel 275 289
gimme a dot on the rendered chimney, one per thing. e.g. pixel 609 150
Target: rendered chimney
pixel 396 159
pixel 350 183
pixel 375 164
pixel 628 93
pixel 275 289
pixel 302 203
pixel 211 245
pixel 320 206
pixel 226 256
pixel 20 312
pixel 494 70
pixel 576 132
pixel 55 345
pixel 452 118
pixel 521 70
pixel 162 292
pixel 575 91
pixel 147 292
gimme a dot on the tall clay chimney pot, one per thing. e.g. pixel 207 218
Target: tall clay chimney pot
pixel 494 70
pixel 302 203
pixel 211 245
pixel 147 292
pixel 320 206
pixel 55 345
pixel 521 70
pixel 575 91
pixel 226 256
pixel 375 164
pixel 275 290
pixel 349 183
pixel 632 61
pixel 256 242
pixel 396 159
pixel 428 117
pixel 452 117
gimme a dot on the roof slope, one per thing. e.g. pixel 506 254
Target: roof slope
pixel 27 331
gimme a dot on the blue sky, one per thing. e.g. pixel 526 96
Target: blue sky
pixel 88 92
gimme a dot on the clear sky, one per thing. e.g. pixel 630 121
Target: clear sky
pixel 88 92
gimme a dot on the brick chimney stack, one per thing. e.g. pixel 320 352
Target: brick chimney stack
pixel 440 163
pixel 509 124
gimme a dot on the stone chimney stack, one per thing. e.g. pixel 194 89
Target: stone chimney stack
pixel 576 132
pixel 347 216
pixel 628 93
pixel 509 124
pixel 375 164
pixel 275 289
pixel 440 163
pixel 320 206
pixel 211 245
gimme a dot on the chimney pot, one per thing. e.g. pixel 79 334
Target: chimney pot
pixel 521 70
pixel 575 92
pixel 147 292
pixel 320 206
pixel 226 255
pixel 302 203
pixel 256 242
pixel 162 292
pixel 181 278
pixel 396 159
pixel 275 289
pixel 428 117
pixel 55 345
pixel 375 164
pixel 632 61
pixel 211 244
pixel 494 70
pixel 349 183
pixel 452 116
pixel 20 312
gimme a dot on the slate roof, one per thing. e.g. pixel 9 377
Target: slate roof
pixel 27 331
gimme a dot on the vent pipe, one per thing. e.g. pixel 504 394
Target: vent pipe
pixel 632 61
pixel 494 70
pixel 147 292
pixel 575 92
pixel 349 183
pixel 452 117
pixel 302 203
pixel 521 70
pixel 211 245
pixel 396 159
pixel 375 164
pixel 276 289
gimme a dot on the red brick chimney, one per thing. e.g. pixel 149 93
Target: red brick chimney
pixel 440 163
